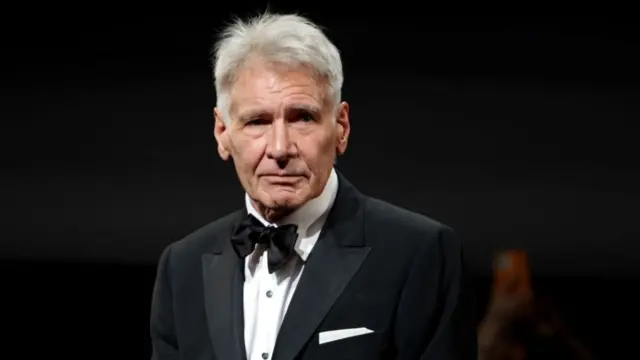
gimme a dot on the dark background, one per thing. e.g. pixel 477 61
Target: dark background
pixel 520 132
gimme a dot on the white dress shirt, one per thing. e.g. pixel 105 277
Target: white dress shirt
pixel 267 296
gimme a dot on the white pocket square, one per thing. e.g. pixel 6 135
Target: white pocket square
pixel 333 335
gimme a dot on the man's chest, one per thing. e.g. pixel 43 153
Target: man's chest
pixel 358 322
pixel 266 297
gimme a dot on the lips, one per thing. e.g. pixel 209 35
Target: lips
pixel 282 179
pixel 283 175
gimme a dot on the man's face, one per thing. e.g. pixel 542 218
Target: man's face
pixel 282 135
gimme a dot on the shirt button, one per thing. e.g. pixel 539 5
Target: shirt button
pixel 265 356
pixel 269 294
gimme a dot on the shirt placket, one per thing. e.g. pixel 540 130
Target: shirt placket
pixel 269 316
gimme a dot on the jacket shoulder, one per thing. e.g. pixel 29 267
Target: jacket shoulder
pixel 395 215
pixel 411 227
pixel 206 238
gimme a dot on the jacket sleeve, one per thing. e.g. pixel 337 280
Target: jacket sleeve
pixel 435 317
pixel 164 344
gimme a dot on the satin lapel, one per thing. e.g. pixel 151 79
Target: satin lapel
pixel 335 259
pixel 223 274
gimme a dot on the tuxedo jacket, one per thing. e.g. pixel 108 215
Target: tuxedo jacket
pixel 391 281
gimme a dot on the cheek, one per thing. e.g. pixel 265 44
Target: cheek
pixel 319 154
pixel 248 152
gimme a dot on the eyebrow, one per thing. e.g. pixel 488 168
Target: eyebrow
pixel 252 114
pixel 293 108
pixel 303 107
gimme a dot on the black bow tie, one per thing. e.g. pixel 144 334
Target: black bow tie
pixel 278 240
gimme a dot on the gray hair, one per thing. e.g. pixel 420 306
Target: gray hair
pixel 291 40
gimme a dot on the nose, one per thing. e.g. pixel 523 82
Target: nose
pixel 280 146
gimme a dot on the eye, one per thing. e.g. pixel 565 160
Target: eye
pixel 256 122
pixel 306 117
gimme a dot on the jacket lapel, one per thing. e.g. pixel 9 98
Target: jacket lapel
pixel 336 257
pixel 223 277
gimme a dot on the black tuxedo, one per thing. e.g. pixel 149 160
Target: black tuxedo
pixel 375 265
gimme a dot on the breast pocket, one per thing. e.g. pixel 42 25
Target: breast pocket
pixel 337 335
pixel 350 343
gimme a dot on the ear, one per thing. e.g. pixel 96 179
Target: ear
pixel 343 128
pixel 221 135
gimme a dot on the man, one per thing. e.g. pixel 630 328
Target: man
pixel 310 268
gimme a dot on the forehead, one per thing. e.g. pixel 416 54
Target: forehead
pixel 271 87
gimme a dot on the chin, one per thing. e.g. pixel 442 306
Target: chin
pixel 286 199
pixel 286 202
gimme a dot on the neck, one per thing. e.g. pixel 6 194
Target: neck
pixel 272 215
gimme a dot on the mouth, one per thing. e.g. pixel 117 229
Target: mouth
pixel 282 174
pixel 282 178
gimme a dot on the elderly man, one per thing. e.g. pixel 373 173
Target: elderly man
pixel 309 268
